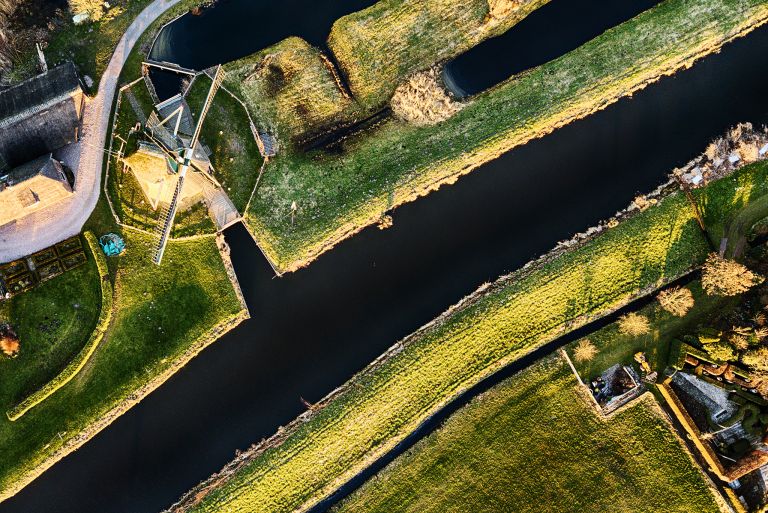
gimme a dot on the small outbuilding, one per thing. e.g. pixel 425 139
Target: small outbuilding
pixel 37 184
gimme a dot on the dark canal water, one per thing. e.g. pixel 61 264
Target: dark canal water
pixel 537 39
pixel 312 330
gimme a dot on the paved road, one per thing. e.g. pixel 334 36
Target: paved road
pixel 86 158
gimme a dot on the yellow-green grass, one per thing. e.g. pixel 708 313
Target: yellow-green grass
pixel 379 47
pixel 341 191
pixel 162 316
pixel 483 333
pixel 81 358
pixel 533 444
pixel 291 90
pixel 236 159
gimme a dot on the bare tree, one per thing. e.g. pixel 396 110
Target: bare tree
pixel 722 277
pixel 585 350
pixel 676 300
pixel 634 324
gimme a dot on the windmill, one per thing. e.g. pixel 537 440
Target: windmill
pixel 181 155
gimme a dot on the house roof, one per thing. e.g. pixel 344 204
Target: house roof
pixel 43 166
pixel 46 88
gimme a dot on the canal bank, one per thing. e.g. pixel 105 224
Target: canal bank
pixel 312 330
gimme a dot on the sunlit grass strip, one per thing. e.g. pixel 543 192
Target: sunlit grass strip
pixel 79 361
pixel 338 194
pixel 498 324
pixel 533 440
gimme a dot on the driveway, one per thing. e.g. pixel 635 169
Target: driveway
pixel 49 226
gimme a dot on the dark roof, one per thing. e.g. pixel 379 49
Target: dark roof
pixel 45 166
pixel 38 90
pixel 166 108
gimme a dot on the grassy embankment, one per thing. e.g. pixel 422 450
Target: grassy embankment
pixel 497 325
pixel 533 441
pixel 292 91
pixel 378 48
pixel 341 191
pixel 162 316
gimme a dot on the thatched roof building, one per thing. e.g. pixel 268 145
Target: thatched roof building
pixel 40 115
pixel 30 187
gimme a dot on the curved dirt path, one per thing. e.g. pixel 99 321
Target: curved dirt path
pixel 65 219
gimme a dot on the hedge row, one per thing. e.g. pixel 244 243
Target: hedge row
pixel 77 364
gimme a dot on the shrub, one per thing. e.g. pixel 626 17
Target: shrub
pixel 757 359
pixel 676 300
pixel 422 100
pixel 721 351
pixel 722 277
pixel 634 324
pixel 738 341
pixel 9 341
pixel 585 351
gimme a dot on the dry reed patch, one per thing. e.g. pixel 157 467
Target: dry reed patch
pixel 422 99
pixel 500 9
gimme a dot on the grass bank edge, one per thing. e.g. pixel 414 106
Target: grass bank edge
pixel 428 176
pixel 298 435
pixel 82 357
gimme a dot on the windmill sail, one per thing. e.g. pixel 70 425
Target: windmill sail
pixel 166 220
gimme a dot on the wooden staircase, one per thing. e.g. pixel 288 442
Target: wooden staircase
pixel 166 222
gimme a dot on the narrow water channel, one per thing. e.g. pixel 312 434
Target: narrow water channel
pixel 537 39
pixel 312 330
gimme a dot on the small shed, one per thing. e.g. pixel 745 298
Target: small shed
pixel 30 187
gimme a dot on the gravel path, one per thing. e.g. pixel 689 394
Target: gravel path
pixel 49 226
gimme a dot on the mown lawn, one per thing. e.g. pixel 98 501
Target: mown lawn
pixel 226 130
pixel 53 322
pixel 159 314
pixel 379 47
pixel 497 325
pixel 532 444
pixel 341 191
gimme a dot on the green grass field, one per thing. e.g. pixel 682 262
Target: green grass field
pixel 532 444
pixel 379 47
pixel 161 316
pixel 291 90
pixel 341 191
